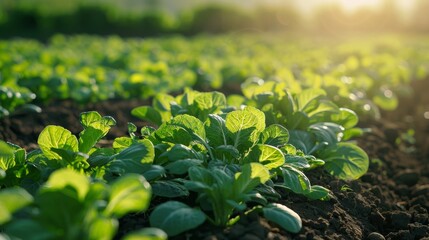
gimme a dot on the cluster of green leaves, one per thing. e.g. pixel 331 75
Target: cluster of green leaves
pixel 72 189
pixel 317 126
pixel 361 74
pixel 234 154
pixel 231 156
pixel 15 100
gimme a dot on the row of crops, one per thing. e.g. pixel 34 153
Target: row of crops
pixel 204 157
pixel 361 74
pixel 224 150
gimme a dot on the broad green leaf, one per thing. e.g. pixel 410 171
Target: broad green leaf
pixel 346 118
pixel 386 99
pixel 97 190
pixel 187 98
pixel 5 149
pixel 251 175
pixel 283 216
pixel 146 234
pixel 302 140
pixel 269 156
pixel 130 193
pixel 142 152
pixel 295 180
pixel 243 128
pixel 102 228
pixel 11 200
pixel 162 102
pixel 235 100
pixel 328 132
pixel 353 132
pixel 56 137
pixel 286 104
pixel 179 151
pixel 345 160
pixel 255 87
pixel 298 120
pixel 275 135
pixel 89 118
pixel 181 166
pixel 223 178
pixel 324 107
pixel 175 217
pixel 95 120
pixel 260 126
pixel 173 134
pixel 209 102
pixel 216 130
pixel 193 125
pixel 7 157
pixel 122 143
pixel 307 100
pixel 289 149
pixel 147 113
pixel 169 189
pixel 29 229
pixel 132 128
pixel 56 216
pixel 154 172
pixel 71 158
pixel 88 138
pixel 201 178
pixel 137 158
pixel 227 152
pixel 318 192
pixel 296 161
pixel 100 157
pixel 67 177
pixel 147 131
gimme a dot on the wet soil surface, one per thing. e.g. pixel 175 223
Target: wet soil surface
pixel 391 201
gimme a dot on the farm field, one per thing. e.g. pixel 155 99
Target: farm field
pixel 215 137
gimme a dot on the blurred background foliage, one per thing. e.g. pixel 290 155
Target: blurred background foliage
pixel 41 19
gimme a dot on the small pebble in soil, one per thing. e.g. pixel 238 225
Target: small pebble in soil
pixel 375 236
pixel 400 219
pixel 249 236
pixel 421 190
pixel 421 218
pixel 419 230
pixel 407 177
pixel 400 235
pixel 420 200
pixel 377 219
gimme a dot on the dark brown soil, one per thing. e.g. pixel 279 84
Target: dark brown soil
pixel 389 202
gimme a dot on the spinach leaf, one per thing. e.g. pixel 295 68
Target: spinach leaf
pixel 175 217
pixel 346 161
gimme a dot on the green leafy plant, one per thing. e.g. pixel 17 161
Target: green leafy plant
pixel 191 102
pixel 316 125
pixel 87 210
pixel 16 100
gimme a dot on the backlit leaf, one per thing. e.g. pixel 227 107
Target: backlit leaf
pixel 346 161
pixel 56 137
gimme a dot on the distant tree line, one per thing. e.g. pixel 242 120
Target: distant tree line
pixel 101 20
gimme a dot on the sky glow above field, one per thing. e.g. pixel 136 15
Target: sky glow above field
pixel 351 5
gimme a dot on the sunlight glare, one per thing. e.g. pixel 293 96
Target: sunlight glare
pixel 352 5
